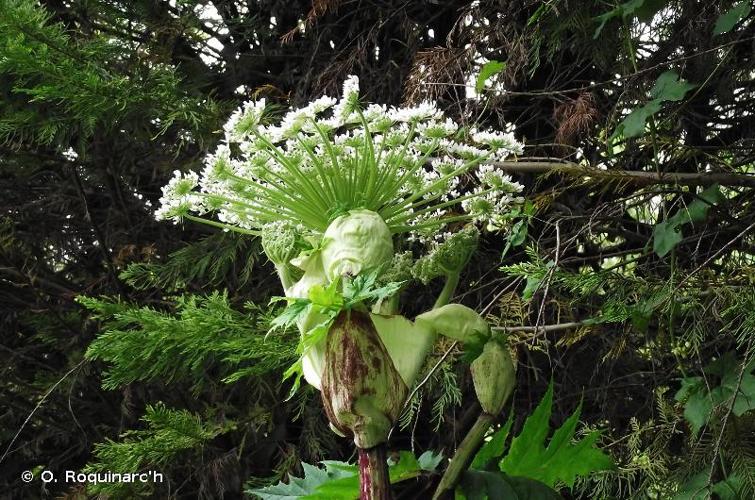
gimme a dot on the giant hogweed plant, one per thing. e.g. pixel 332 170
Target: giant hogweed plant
pixel 340 192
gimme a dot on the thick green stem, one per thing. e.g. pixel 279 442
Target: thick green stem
pixel 463 457
pixel 374 482
pixel 284 273
pixel 452 280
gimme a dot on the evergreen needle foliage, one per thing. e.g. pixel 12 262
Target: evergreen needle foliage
pixel 204 335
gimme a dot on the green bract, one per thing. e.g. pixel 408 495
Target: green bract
pixel 355 242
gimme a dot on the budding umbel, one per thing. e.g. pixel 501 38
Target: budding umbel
pixel 494 377
pixel 362 391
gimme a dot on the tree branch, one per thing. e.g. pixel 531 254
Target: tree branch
pixel 643 178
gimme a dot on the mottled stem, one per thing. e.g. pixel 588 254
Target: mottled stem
pixel 374 483
pixel 463 457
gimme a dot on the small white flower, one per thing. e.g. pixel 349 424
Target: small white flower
pixel 498 140
pixel 423 111
pixel 244 120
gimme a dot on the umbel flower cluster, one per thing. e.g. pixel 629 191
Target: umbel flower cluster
pixel 411 165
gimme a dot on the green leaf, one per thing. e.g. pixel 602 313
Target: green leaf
pixel 634 123
pixel 729 489
pixel 340 480
pixel 326 297
pixel 483 485
pixel 561 461
pixel 529 489
pixel 695 488
pixel 487 485
pixel 666 236
pixel 533 283
pixel 642 9
pixel 364 288
pixel 731 17
pixel 669 87
pixel 494 448
pixel 488 69
pixel 429 460
pixel 699 401
pixel 295 309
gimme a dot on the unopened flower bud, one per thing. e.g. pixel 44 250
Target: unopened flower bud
pixel 279 242
pixel 494 377
pixel 362 391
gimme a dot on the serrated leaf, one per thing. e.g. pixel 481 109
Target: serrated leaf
pixel 668 87
pixel 529 489
pixel 487 485
pixel 487 70
pixel 729 489
pixel 483 485
pixel 295 309
pixel 561 461
pixel 694 489
pixel 642 9
pixel 340 480
pixel 731 17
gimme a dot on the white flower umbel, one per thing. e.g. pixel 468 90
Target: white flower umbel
pixel 407 164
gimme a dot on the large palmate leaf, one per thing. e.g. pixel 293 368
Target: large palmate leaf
pixel 562 460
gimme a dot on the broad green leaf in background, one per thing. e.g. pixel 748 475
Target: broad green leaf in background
pixel 699 401
pixel 666 236
pixel 731 17
pixel 493 449
pixel 644 10
pixel 483 485
pixel 668 87
pixel 561 461
pixel 634 124
pixel 487 70
pixel 697 211
pixel 698 405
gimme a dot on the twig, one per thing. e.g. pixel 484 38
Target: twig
pixel 541 328
pixel 424 381
pixel 39 404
